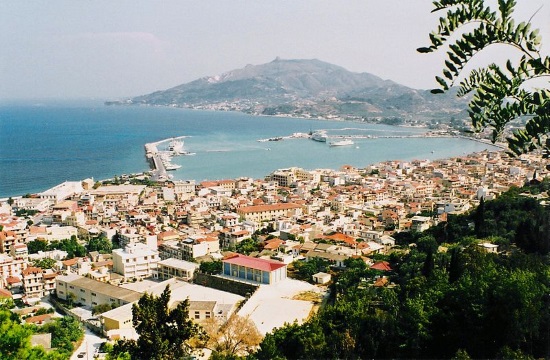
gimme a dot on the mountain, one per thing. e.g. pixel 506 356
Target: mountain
pixel 307 88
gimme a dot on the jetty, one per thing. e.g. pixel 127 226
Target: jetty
pixel 156 160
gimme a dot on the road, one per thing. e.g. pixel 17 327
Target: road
pixel 89 345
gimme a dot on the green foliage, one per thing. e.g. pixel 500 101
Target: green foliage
pixel 211 267
pixel 101 308
pixel 37 245
pixel 306 269
pixel 492 305
pixel 246 246
pixel 65 332
pixel 101 244
pixel 163 332
pixel 71 246
pixel 45 263
pixel 15 341
pixel 501 94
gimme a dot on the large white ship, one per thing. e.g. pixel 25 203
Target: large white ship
pixel 343 142
pixel 320 136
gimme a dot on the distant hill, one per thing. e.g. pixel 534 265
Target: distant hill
pixel 307 88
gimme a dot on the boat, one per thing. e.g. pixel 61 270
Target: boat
pixel 343 142
pixel 170 167
pixel 320 136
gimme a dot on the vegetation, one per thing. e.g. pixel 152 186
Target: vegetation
pixel 247 246
pixel 211 267
pixel 100 244
pixel 45 263
pixel 163 331
pixel 500 94
pixel 15 338
pixel 237 337
pixel 450 301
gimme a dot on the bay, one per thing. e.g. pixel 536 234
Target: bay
pixel 44 144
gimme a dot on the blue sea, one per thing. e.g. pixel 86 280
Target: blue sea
pixel 45 143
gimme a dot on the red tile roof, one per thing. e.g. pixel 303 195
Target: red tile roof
pixel 254 263
pixel 382 266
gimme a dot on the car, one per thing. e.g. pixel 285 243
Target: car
pixel 81 355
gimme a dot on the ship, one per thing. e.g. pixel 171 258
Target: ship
pixel 343 142
pixel 320 136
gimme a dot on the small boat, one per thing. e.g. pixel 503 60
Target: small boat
pixel 343 142
pixel 170 167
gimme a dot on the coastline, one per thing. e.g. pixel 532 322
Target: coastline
pixel 77 162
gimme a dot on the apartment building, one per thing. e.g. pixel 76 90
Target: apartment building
pixel 135 261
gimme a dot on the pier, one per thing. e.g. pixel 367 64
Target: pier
pixel 159 172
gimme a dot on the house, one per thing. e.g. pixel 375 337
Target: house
pixel 261 271
pixel 321 278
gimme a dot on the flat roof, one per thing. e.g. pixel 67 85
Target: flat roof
pixel 179 264
pixel 105 289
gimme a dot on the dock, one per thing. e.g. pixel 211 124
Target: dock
pixel 152 153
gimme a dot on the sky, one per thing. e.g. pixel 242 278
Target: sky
pixel 108 49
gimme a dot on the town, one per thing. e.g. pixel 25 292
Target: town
pixel 93 248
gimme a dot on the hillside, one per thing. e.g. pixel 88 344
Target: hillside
pixel 307 88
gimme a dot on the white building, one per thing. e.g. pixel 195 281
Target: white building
pixel 62 191
pixel 135 261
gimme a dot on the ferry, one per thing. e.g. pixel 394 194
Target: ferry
pixel 343 142
pixel 320 136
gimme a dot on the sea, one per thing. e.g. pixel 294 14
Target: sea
pixel 44 143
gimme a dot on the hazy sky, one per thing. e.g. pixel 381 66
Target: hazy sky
pixel 110 49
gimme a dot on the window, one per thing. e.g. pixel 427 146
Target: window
pixel 207 314
pixel 82 290
pixel 72 287
pixel 197 315
pixel 94 294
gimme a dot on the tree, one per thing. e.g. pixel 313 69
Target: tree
pixel 37 245
pixel 211 267
pixel 45 263
pixel 101 244
pixel 237 337
pixel 501 95
pixel 246 246
pixel 163 331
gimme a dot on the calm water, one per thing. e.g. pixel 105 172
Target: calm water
pixel 42 145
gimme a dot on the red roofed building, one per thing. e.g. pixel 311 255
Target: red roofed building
pixel 382 266
pixel 261 271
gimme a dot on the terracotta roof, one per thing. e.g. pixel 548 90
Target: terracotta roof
pixel 4 293
pixel 38 318
pixel 272 207
pixel 254 263
pixel 32 270
pixel 382 266
pixel 13 280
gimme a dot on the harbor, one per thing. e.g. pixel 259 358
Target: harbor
pixel 160 160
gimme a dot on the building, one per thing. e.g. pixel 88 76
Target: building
pixel 175 268
pixel 38 283
pixel 256 270
pixel 62 191
pixel 259 213
pixel 90 292
pixel 135 261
